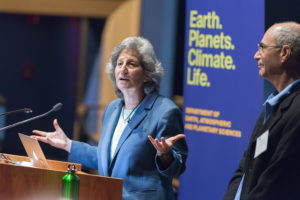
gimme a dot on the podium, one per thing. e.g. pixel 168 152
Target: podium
pixel 30 183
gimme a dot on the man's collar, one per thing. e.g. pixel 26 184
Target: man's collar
pixel 275 97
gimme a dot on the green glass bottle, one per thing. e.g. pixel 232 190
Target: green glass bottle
pixel 70 184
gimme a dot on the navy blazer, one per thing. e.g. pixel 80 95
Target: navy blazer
pixel 135 158
pixel 275 173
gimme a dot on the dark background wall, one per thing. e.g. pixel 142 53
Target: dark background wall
pixel 279 11
pixel 38 68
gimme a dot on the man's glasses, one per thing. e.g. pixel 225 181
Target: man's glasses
pixel 262 46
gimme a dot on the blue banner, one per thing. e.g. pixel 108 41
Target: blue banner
pixel 223 93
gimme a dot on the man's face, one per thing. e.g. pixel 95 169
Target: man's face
pixel 268 57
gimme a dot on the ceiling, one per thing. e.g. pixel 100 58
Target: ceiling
pixel 79 8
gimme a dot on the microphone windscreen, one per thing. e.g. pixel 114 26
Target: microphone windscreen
pixel 57 107
pixel 28 110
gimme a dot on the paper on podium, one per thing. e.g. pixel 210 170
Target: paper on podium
pixel 34 151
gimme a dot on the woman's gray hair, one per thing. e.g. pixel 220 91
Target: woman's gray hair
pixel 289 35
pixel 151 66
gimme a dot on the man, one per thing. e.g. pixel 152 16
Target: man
pixel 270 167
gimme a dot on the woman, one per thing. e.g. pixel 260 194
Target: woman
pixel 127 148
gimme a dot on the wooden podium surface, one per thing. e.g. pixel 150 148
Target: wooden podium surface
pixel 29 183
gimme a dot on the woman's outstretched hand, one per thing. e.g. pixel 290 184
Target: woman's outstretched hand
pixel 164 146
pixel 56 138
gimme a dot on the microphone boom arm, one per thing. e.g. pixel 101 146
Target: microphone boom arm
pixel 55 108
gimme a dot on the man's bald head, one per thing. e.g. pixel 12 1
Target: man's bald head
pixel 287 33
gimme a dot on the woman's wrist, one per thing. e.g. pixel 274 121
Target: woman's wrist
pixel 68 145
pixel 164 160
pixel 164 155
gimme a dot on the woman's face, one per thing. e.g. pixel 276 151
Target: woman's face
pixel 129 73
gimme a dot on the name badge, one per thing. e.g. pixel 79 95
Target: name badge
pixel 261 144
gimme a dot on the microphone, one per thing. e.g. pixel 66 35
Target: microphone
pixel 26 110
pixel 55 108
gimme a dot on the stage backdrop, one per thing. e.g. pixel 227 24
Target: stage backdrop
pixel 223 93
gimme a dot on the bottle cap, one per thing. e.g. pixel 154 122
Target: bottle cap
pixel 71 167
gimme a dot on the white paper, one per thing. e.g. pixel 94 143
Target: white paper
pixel 261 144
